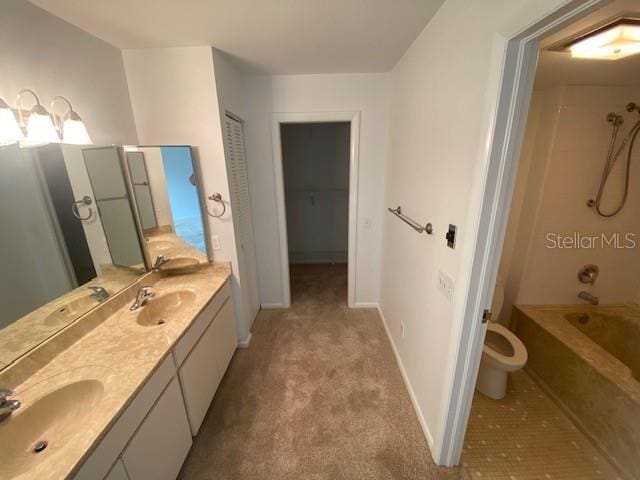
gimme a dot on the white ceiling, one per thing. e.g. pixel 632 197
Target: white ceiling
pixel 558 68
pixel 274 36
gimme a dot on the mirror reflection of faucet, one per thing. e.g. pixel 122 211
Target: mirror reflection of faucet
pixel 592 299
pixel 99 293
pixel 588 274
pixel 160 260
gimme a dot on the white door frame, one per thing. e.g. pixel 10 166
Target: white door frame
pixel 316 117
pixel 514 61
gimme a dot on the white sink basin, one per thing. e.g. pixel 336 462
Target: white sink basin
pixel 42 426
pixel 70 311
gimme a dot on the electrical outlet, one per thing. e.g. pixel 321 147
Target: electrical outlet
pixel 446 284
pixel 402 329
pixel 215 242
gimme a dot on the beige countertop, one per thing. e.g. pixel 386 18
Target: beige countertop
pixel 27 332
pixel 113 356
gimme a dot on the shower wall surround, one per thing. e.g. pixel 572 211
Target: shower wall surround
pixel 561 164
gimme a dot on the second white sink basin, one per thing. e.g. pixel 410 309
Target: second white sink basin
pixel 41 428
pixel 160 310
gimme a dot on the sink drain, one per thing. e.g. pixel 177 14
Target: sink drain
pixel 40 446
pixel 583 318
pixel 160 322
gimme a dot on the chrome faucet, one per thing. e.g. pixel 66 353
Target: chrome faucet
pixel 7 406
pixel 592 299
pixel 99 293
pixel 143 296
pixel 160 260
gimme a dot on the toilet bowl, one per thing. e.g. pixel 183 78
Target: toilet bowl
pixel 502 353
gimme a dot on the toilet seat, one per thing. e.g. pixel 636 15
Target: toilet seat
pixel 508 363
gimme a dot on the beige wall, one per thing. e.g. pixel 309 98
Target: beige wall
pixel 568 154
pixel 443 94
pixel 52 57
pixel 365 93
pixel 175 102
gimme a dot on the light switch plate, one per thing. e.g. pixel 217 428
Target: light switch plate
pixel 446 284
pixel 215 242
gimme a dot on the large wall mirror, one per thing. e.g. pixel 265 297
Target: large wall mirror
pixel 168 202
pixel 69 239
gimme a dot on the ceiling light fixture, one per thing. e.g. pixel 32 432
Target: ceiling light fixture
pixel 9 129
pixel 70 126
pixel 40 129
pixel 613 41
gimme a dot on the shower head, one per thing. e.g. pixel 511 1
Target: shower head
pixel 631 106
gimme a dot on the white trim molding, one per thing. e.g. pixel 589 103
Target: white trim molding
pixel 244 343
pixel 271 306
pixel 514 61
pixel 316 117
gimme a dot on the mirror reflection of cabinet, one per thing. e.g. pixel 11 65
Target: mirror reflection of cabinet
pixel 104 168
pixel 167 198
pixel 60 235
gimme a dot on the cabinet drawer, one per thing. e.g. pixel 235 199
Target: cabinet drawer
pixel 200 324
pixel 162 442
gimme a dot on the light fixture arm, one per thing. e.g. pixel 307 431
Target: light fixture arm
pixel 57 120
pixel 37 106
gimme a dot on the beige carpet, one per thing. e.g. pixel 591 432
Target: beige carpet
pixel 318 395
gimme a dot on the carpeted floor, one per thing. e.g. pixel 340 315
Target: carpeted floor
pixel 317 395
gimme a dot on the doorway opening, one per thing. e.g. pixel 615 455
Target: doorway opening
pixel 550 154
pixel 315 156
pixel 315 165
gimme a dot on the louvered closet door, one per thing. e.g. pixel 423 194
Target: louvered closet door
pixel 241 206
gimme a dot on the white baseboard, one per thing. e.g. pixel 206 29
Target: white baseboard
pixel 407 384
pixel 271 306
pixel 245 343
pixel 366 305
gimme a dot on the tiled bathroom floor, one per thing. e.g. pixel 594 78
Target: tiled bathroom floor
pixel 527 436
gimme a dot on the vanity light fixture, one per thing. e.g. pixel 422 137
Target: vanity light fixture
pixel 70 126
pixel 613 41
pixel 40 129
pixel 9 129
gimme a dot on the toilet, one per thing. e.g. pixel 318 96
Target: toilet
pixel 502 353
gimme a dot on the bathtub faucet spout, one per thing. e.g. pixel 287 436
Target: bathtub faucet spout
pixel 592 299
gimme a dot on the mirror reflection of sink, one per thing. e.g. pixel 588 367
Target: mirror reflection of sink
pixel 160 245
pixel 159 310
pixel 180 265
pixel 37 431
pixel 69 311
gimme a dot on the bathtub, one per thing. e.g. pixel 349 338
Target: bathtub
pixel 588 359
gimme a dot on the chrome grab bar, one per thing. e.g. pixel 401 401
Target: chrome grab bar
pixel 86 200
pixel 428 228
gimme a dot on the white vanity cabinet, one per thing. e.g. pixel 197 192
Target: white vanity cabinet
pixel 163 440
pixel 117 472
pixel 152 437
pixel 204 366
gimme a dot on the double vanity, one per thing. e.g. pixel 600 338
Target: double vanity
pixel 120 392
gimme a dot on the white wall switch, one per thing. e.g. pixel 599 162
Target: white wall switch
pixel 215 242
pixel 446 284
